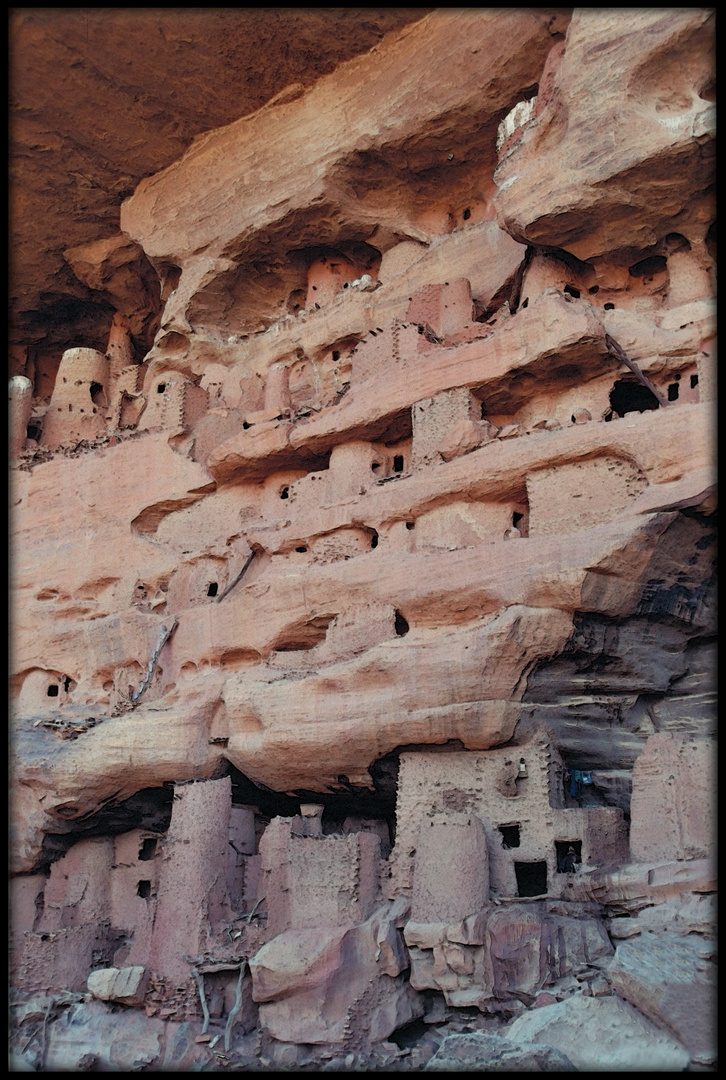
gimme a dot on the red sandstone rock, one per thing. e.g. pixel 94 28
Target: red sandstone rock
pixel 362 499
pixel 572 181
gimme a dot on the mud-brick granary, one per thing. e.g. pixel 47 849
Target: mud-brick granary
pixel 362 403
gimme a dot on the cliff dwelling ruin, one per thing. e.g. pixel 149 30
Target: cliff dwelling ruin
pixel 363 532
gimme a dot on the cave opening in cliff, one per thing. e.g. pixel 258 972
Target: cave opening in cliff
pixel 149 809
pixel 346 808
pixel 531 878
pixel 628 396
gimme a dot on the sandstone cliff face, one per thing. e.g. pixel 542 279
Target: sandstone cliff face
pixel 363 577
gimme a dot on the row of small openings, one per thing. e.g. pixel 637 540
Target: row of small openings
pixel 645 269
pixel 674 388
pixel 68 685
pixel 398 464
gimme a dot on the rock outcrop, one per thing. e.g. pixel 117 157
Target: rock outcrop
pixel 363 568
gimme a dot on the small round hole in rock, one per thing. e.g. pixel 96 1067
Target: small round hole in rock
pixel 401 625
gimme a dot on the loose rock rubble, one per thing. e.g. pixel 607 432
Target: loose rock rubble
pixel 362 672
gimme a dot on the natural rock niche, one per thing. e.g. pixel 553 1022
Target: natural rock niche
pixel 362 651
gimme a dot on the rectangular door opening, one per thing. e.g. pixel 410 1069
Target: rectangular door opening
pixel 531 878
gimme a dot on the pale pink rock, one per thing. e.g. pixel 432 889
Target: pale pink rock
pixel 125 985
pixel 672 806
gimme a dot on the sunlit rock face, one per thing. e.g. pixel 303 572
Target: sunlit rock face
pixel 363 567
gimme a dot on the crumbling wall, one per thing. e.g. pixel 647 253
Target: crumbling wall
pixel 416 473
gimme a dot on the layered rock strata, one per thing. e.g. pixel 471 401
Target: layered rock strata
pixel 362 664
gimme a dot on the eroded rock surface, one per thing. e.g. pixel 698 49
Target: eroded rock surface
pixel 363 567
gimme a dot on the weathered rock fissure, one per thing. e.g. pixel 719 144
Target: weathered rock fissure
pixel 364 544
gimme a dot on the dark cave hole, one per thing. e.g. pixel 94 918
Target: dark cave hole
pixel 627 396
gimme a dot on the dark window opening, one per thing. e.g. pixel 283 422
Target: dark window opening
pixel 374 540
pixel 402 626
pixel 531 878
pixel 375 465
pixel 594 289
pixel 398 463
pixel 212 590
pixel 285 493
pixel 510 836
pixel 245 425
pixel 301 549
pixel 147 850
pixel 627 396
pixel 654 265
pixel 575 293
pixel 33 432
pixel 694 381
pixel 97 395
pixel 345 284
pixel 609 307
pixel 516 518
pixel 143 889
pixel 53 691
pixel 67 682
pixel 673 391
pixel 526 302
pixel 315 288
pixel 569 855
pixel 336 355
pixel 161 388
pixel 467 214
pixel 410 524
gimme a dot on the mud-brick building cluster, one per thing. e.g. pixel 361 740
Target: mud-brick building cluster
pixel 363 570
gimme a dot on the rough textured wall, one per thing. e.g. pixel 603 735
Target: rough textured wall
pixel 391 470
